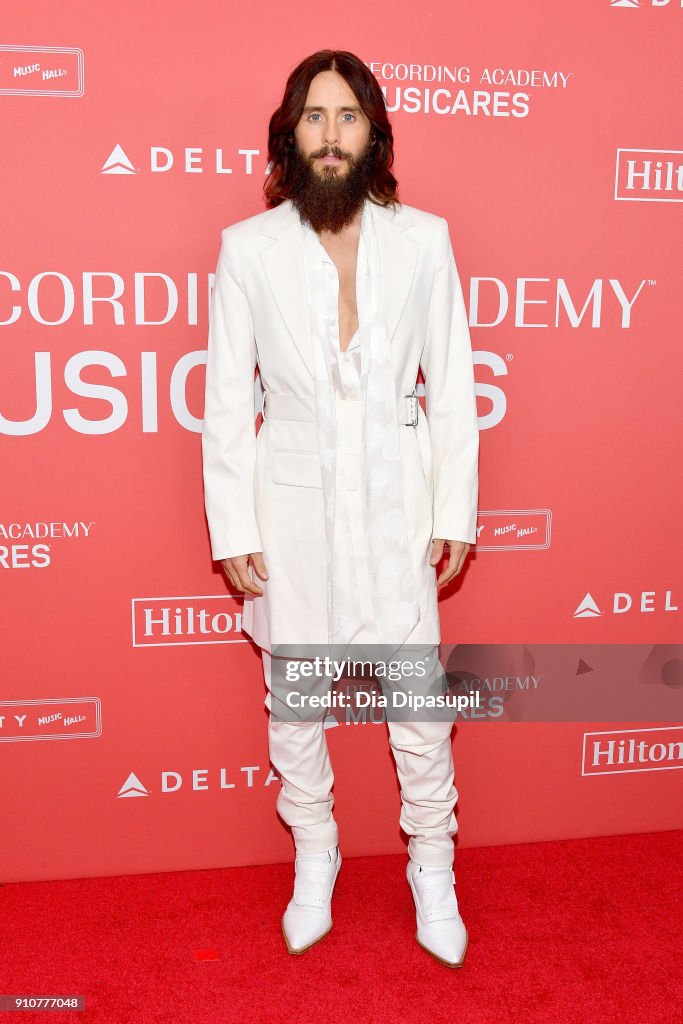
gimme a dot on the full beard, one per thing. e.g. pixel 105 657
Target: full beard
pixel 327 199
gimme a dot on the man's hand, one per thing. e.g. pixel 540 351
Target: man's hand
pixel 458 554
pixel 236 570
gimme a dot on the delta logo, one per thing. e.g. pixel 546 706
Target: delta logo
pixel 187 160
pixel 621 602
pixel 248 777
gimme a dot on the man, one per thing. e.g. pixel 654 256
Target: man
pixel 344 502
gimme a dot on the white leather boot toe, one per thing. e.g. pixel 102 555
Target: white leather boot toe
pixel 308 917
pixel 440 929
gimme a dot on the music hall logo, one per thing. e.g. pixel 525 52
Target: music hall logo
pixel 41 71
pixel 621 603
pixel 50 718
pixel 518 530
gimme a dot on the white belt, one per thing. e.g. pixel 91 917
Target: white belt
pixel 302 407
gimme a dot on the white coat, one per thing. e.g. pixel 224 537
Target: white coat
pixel 263 492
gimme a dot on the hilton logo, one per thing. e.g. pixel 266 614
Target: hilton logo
pixel 649 175
pixel 166 621
pixel 633 750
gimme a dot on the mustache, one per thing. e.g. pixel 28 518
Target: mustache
pixel 330 151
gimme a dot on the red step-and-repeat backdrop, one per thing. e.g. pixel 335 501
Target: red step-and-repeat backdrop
pixel 133 734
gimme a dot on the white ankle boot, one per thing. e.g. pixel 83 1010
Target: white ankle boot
pixel 308 916
pixel 440 929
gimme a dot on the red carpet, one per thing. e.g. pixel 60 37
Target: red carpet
pixel 587 930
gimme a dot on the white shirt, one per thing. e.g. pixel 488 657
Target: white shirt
pixel 365 520
pixel 346 387
pixel 346 379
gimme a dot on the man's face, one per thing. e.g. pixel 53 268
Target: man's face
pixel 333 164
pixel 332 129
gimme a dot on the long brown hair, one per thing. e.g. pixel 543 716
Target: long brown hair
pixel 384 186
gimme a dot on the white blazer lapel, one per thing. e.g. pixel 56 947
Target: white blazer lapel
pixel 398 258
pixel 283 264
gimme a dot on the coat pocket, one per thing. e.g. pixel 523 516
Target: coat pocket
pixel 296 468
pixel 302 469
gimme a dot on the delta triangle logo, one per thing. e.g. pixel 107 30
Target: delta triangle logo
pixel 117 163
pixel 587 609
pixel 624 3
pixel 132 787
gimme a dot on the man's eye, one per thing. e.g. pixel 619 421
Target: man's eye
pixel 347 114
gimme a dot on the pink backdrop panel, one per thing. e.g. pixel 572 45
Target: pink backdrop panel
pixel 132 725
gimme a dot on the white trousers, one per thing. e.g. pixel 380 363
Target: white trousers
pixel 422 750
pixel 424 764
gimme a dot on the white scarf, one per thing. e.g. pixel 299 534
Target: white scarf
pixel 392 578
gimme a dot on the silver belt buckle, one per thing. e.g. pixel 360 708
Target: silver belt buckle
pixel 412 405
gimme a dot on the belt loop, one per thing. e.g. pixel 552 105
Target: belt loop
pixel 412 405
